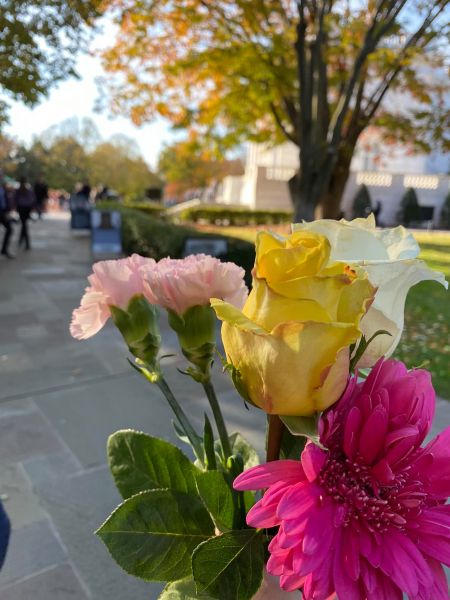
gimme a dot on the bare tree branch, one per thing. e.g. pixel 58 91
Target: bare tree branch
pixel 291 136
pixel 373 35
pixel 305 103
pixel 292 113
pixel 380 92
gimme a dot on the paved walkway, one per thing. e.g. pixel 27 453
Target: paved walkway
pixel 59 401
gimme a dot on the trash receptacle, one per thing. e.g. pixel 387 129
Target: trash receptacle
pixel 80 213
pixel 106 233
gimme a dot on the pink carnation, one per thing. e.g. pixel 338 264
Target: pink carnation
pixel 364 518
pixel 113 282
pixel 179 284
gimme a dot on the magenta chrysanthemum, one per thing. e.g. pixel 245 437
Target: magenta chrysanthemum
pixel 365 517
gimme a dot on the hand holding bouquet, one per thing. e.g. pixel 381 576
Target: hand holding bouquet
pixel 351 504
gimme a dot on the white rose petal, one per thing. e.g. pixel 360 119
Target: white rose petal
pixel 393 280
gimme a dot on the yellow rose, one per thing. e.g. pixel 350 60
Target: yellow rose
pixel 389 257
pixel 290 343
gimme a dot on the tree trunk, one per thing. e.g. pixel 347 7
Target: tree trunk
pixel 329 203
pixel 303 207
pixel 313 196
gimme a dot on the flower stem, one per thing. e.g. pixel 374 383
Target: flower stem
pixel 274 438
pixel 218 417
pixel 190 432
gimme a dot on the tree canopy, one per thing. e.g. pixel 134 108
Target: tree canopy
pixel 187 165
pixel 63 157
pixel 315 72
pixel 39 40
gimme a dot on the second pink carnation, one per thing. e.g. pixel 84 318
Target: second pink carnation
pixel 178 284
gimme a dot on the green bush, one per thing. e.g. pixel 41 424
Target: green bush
pixel 147 206
pixel 362 203
pixel 137 198
pixel 445 213
pixel 152 237
pixel 216 214
pixel 409 208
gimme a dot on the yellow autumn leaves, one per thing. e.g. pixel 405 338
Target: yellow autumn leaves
pixel 290 343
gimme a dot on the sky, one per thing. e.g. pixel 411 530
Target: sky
pixel 77 98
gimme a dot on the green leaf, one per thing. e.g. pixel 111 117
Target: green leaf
pixel 303 426
pixel 182 590
pixel 291 445
pixel 230 566
pixel 239 445
pixel 249 500
pixel 217 497
pixel 140 462
pixel 153 534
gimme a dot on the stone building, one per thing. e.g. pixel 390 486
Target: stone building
pixel 386 170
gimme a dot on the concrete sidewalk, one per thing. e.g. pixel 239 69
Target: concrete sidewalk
pixel 59 401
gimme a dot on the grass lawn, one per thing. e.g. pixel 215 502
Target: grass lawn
pixel 426 337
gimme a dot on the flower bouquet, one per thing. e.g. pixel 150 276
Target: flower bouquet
pixel 351 501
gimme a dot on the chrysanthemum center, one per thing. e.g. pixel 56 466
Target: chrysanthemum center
pixel 379 507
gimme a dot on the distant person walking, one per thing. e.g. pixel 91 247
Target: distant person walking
pixel 81 197
pixel 86 190
pixel 24 202
pixel 102 194
pixel 4 217
pixel 40 195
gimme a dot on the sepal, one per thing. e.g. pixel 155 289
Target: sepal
pixel 357 350
pixel 138 324
pixel 307 427
pixel 196 332
pixel 238 382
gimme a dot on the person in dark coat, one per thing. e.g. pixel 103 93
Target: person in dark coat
pixel 40 195
pixel 4 218
pixel 24 202
pixel 5 532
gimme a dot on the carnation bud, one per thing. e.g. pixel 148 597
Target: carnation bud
pixel 138 324
pixel 196 332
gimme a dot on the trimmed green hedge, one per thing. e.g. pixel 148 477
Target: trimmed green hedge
pixel 217 214
pixel 152 237
pixel 151 208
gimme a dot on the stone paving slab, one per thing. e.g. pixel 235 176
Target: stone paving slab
pixel 50 468
pixel 56 583
pixel 45 367
pixel 86 415
pixel 78 505
pixel 21 503
pixel 26 435
pixel 32 548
